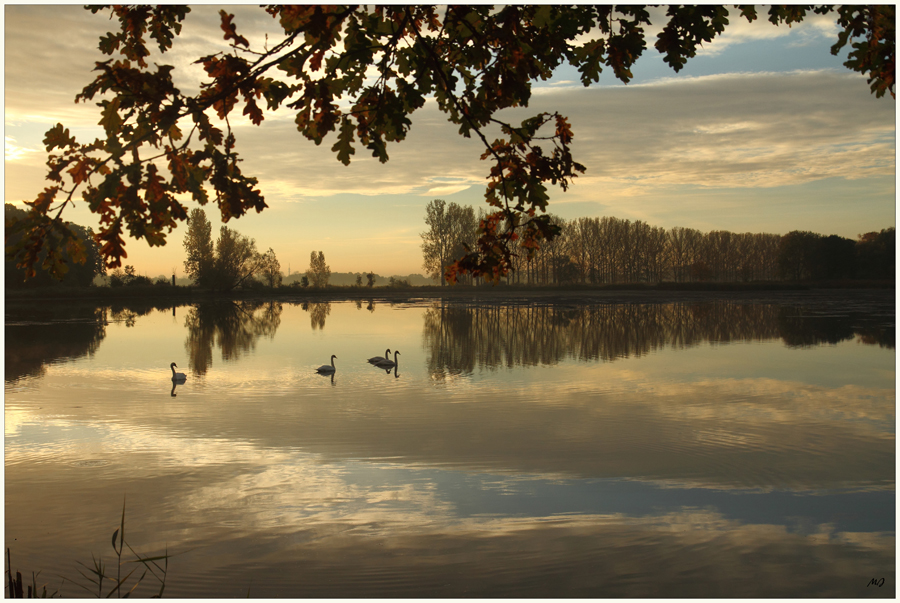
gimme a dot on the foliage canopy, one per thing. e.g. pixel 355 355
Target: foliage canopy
pixel 358 73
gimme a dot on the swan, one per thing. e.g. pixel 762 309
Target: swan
pixel 377 359
pixel 327 368
pixel 177 376
pixel 386 363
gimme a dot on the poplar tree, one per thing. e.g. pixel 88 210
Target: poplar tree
pixel 199 247
pixel 319 272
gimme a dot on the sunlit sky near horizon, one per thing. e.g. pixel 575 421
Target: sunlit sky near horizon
pixel 763 131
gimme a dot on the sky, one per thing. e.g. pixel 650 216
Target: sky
pixel 763 131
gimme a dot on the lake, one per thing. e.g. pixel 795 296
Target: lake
pixel 576 447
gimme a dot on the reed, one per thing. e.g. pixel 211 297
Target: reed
pixel 17 588
pixel 97 573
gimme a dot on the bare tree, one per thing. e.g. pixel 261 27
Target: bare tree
pixel 270 269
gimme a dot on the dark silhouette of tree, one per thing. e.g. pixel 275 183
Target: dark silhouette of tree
pixel 237 261
pixel 797 255
pixel 452 231
pixel 381 63
pixel 318 272
pixel 76 272
pixel 198 244
pixel 231 263
pixel 270 269
pixel 835 258
pixel 128 278
pixel 875 252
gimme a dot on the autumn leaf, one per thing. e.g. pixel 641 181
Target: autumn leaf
pixel 58 137
pixel 230 30
pixel 81 170
pixel 343 147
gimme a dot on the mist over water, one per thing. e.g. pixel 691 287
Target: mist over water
pixel 518 448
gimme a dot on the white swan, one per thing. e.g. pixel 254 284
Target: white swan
pixel 327 368
pixel 177 376
pixel 377 359
pixel 386 363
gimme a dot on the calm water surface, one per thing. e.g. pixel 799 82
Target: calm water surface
pixel 716 448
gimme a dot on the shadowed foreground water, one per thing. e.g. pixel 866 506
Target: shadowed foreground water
pixel 718 449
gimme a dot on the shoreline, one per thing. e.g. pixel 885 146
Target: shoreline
pixel 509 294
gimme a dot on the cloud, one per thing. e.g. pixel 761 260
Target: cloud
pixel 739 130
pixel 13 152
pixel 740 31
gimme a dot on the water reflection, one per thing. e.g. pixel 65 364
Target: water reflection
pixel 232 326
pixel 42 335
pixel 317 313
pixel 742 470
pixel 460 337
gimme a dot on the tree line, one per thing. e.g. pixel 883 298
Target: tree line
pixel 233 262
pixel 609 250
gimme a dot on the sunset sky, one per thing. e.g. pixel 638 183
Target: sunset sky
pixel 764 131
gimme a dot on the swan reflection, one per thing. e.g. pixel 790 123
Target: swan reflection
pixel 327 374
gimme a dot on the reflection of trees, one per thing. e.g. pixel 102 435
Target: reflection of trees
pixel 40 335
pixel 233 326
pixel 128 311
pixel 460 337
pixel 317 313
pixel 802 327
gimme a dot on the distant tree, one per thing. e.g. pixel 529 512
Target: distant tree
pixel 198 244
pixel 270 269
pixel 76 273
pixel 797 255
pixel 236 260
pixel 875 254
pixel 128 278
pixel 318 272
pixel 370 279
pixel 835 258
pixel 400 283
pixel 452 232
pixel 359 280
pixel 437 240
pixel 304 281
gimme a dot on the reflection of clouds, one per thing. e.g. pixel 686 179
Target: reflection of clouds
pixel 390 529
pixel 585 420
pixel 691 552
